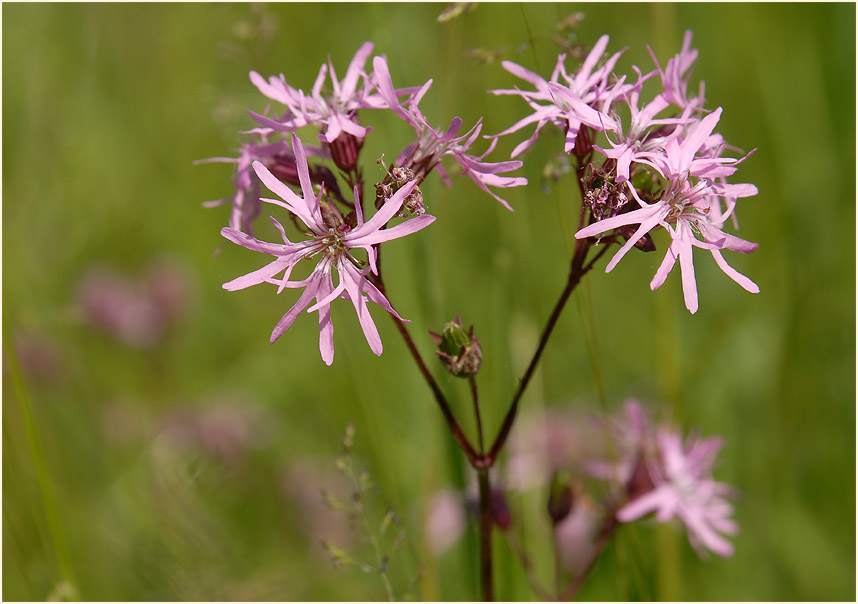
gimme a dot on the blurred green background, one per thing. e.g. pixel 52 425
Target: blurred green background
pixel 187 465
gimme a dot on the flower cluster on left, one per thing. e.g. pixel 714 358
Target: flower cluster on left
pixel 337 237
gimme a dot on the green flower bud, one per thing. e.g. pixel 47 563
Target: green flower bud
pixel 459 350
pixel 561 497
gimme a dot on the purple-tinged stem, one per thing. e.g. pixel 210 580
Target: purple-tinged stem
pixel 577 270
pixel 486 516
pixel 476 398
pixel 486 525
pixel 458 434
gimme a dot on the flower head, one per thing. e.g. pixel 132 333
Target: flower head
pixel 689 205
pixel 336 112
pixel 333 241
pixel 683 487
pixel 431 146
pixel 676 75
pixel 572 104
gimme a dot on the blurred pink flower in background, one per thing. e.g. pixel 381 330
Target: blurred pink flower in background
pixel 544 442
pixel 305 483
pixel 445 520
pixel 575 535
pixel 38 354
pixel 136 311
pixel 683 487
pixel 225 429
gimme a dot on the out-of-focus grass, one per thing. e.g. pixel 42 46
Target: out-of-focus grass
pixel 106 106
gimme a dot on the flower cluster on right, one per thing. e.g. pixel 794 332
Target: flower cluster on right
pixel 667 171
pixel 625 468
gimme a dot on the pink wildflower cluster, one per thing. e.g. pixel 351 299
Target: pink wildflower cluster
pixel 613 470
pixel 668 171
pixel 662 473
pixel 334 106
pixel 335 221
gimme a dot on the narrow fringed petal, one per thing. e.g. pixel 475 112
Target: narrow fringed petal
pixel 352 279
pixel 310 292
pixel 735 275
pixel 400 230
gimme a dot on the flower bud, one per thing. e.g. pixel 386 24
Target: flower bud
pixel 345 151
pixel 459 350
pixel 322 175
pixel 561 497
pixel 583 143
pixel 285 168
pixel 501 515
pixel 640 481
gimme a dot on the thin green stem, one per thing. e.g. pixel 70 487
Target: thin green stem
pixel 48 498
pixel 360 505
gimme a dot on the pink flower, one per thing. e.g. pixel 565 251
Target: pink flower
pixel 431 146
pixel 684 488
pixel 245 202
pixel 336 112
pixel 676 75
pixel 333 241
pixel 571 105
pixel 641 139
pixel 685 209
pixel 445 520
pixel 629 435
pixel 277 157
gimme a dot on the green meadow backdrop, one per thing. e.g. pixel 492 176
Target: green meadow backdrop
pixel 184 459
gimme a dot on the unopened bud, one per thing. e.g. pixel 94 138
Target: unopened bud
pixel 500 510
pixel 583 143
pixel 285 168
pixel 322 175
pixel 640 482
pixel 561 497
pixel 345 151
pixel 645 243
pixel 459 350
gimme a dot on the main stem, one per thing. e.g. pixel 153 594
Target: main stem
pixel 486 524
pixel 486 515
pixel 576 271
